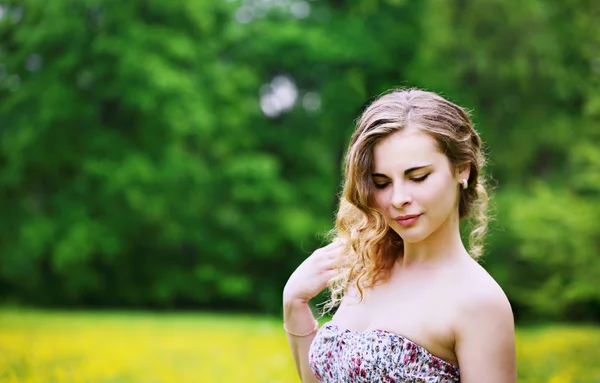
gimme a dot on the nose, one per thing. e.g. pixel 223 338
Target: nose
pixel 400 197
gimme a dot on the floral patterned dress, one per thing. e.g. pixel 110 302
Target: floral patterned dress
pixel 339 355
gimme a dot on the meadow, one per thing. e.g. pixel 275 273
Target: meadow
pixel 126 347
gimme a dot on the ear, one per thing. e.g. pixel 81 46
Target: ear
pixel 463 172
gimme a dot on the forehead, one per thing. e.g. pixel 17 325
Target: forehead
pixel 405 149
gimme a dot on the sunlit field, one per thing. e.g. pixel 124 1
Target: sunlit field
pixel 86 347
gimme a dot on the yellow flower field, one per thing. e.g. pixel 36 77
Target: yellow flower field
pixel 96 347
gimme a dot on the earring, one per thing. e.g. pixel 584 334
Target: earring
pixel 464 183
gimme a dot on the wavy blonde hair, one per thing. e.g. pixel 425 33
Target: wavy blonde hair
pixel 370 244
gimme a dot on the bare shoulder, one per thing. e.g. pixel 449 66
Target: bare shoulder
pixel 484 330
pixel 479 291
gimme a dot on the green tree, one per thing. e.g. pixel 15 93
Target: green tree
pixel 187 153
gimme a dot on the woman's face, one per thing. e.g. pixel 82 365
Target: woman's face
pixel 415 186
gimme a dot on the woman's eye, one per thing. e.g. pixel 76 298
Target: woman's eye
pixel 420 179
pixel 381 185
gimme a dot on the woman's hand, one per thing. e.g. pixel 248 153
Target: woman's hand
pixel 305 283
pixel 313 275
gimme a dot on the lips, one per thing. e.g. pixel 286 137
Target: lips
pixel 407 220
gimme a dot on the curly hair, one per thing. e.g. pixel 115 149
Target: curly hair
pixel 371 245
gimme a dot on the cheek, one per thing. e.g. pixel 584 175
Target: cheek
pixel 443 193
pixel 383 200
pixel 379 198
pixel 438 192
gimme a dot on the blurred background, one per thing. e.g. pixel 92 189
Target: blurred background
pixel 165 166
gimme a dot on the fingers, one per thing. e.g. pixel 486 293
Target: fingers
pixel 337 242
pixel 330 251
pixel 334 247
pixel 330 256
pixel 331 264
pixel 330 247
pixel 331 275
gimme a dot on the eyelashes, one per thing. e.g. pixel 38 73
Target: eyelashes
pixel 383 185
pixel 420 179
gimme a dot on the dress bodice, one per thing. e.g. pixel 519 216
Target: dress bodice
pixel 342 356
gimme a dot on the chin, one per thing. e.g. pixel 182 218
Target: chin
pixel 412 235
pixel 413 239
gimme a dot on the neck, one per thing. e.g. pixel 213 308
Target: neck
pixel 443 245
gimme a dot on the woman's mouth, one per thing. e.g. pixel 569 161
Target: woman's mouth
pixel 407 220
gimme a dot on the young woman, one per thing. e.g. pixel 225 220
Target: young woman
pixel 414 305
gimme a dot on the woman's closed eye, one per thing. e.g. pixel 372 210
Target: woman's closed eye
pixel 380 185
pixel 384 184
pixel 420 178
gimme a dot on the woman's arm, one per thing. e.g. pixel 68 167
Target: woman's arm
pixel 305 283
pixel 485 340
pixel 298 319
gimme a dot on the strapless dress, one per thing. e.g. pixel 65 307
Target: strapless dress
pixel 339 355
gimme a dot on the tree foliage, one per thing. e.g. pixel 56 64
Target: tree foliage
pixel 185 153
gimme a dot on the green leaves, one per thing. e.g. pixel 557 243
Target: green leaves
pixel 137 166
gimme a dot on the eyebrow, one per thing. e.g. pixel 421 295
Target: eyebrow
pixel 406 172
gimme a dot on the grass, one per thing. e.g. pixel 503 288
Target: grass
pixel 121 347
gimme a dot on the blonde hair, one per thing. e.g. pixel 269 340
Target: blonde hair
pixel 370 244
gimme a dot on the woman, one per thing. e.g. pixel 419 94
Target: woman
pixel 414 305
